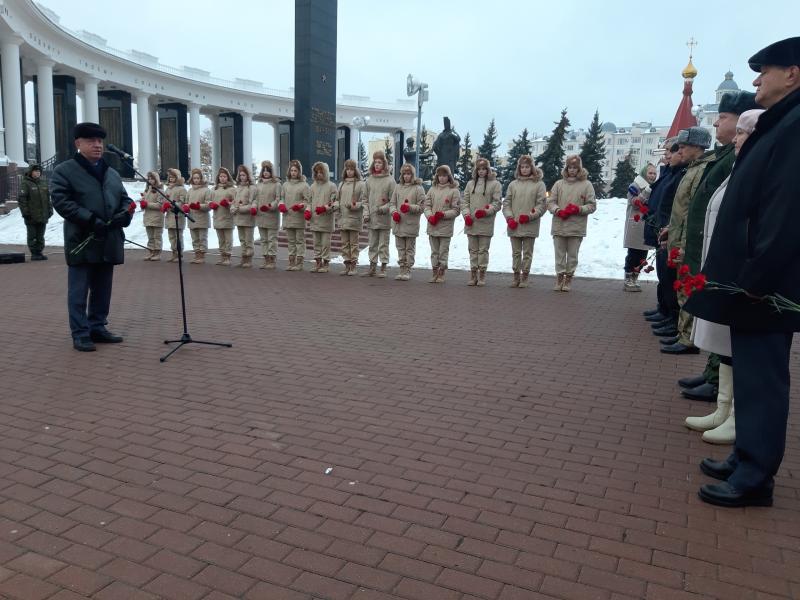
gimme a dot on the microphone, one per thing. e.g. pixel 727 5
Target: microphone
pixel 119 152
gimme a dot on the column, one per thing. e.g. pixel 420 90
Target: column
pixel 194 135
pixel 247 139
pixel 3 157
pixel 214 146
pixel 154 139
pixel 354 143
pixel 144 122
pixel 276 147
pixel 91 110
pixel 12 101
pixel 47 119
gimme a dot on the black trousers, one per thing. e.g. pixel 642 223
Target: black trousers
pixel 761 393
pixel 88 297
pixel 667 298
pixel 634 259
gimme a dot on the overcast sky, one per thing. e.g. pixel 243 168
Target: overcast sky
pixel 518 62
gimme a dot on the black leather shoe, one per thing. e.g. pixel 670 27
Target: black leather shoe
pixel 104 336
pixel 705 392
pixel 83 344
pixel 651 312
pixel 655 318
pixel 663 323
pixel 718 469
pixel 680 349
pixel 669 341
pixel 667 331
pixel 724 494
pixel 690 382
pixel 38 257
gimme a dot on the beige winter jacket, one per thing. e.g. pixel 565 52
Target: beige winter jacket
pixel 379 190
pixel 199 194
pixel 177 193
pixel 483 194
pixel 571 190
pixel 243 201
pixel 352 195
pixel 268 195
pixel 444 199
pixel 525 196
pixel 413 195
pixel 295 191
pixel 222 216
pixel 323 194
pixel 152 216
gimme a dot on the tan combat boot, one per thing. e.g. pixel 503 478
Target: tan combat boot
pixel 567 285
pixel 516 281
pixel 559 282
pixel 523 280
pixel 473 277
pixel 481 277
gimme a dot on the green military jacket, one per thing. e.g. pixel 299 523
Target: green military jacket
pixel 714 175
pixel 676 238
pixel 34 200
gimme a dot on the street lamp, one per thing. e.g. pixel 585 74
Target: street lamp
pixel 359 123
pixel 415 86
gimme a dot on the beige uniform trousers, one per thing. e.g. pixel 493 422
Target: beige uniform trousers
pixel 225 237
pixel 478 246
pixel 322 245
pixel 269 241
pixel 199 239
pixel 349 244
pixel 406 249
pixel 154 235
pixel 296 242
pixel 246 234
pixel 566 253
pixel 521 254
pixel 440 250
pixel 379 246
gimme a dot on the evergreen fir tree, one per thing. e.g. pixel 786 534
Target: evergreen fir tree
pixel 624 174
pixel 426 163
pixel 593 152
pixel 362 158
pixel 488 149
pixel 551 161
pixel 519 146
pixel 464 163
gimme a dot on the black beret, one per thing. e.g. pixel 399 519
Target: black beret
pixel 737 102
pixel 785 53
pixel 88 130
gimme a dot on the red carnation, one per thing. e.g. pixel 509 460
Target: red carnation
pixel 433 220
pixel 512 224
pixel 263 208
pixel 523 218
pixel 185 208
pixel 699 281
pixel 637 217
pixel 143 204
pixel 439 215
pixel 468 221
pixel 676 285
pixel 675 253
pixel 320 210
pixel 307 215
pixel 225 202
pixel 132 207
pixel 404 208
pixel 396 217
pixel 282 208
pixel 213 205
pixel 165 207
pixel 683 270
pixel 253 211
pixel 487 206
pixel 480 213
pixel 296 207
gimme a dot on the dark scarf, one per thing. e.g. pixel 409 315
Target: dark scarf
pixel 97 171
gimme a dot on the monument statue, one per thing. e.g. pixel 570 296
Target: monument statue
pixel 410 156
pixel 447 146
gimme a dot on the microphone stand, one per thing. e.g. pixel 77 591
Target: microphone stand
pixel 186 337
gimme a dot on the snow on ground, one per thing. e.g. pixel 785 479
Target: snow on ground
pixel 601 254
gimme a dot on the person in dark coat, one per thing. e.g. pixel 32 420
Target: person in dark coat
pixel 90 196
pixel 34 204
pixel 756 248
pixel 665 315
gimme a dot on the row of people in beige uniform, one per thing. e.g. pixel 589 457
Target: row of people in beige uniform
pixel 382 206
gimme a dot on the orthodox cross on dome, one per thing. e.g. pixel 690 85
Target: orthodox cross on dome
pixel 691 43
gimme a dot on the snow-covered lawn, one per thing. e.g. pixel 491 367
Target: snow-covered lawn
pixel 601 254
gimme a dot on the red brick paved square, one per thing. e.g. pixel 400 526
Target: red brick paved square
pixel 363 440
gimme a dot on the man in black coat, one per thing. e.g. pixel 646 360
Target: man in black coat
pixel 95 206
pixel 755 247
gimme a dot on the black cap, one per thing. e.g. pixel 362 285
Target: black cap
pixel 88 130
pixel 785 53
pixel 737 102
